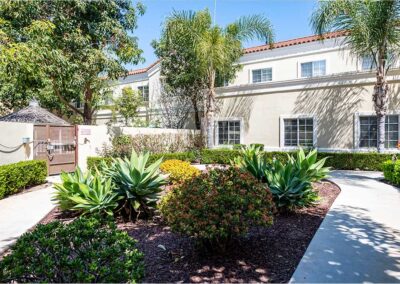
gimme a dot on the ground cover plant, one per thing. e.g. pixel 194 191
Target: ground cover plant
pixel 179 171
pixel 85 250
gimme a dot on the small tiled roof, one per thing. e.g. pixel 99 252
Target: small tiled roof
pixel 34 114
pixel 143 70
pixel 296 41
pixel 263 47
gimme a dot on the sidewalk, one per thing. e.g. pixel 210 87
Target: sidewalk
pixel 359 240
pixel 19 213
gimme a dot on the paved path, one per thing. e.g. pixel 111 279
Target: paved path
pixel 359 240
pixel 19 213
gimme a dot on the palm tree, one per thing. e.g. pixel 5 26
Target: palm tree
pixel 217 49
pixel 371 28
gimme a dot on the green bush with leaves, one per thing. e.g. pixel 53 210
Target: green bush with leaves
pixel 252 160
pixel 218 205
pixel 308 166
pixel 289 188
pixel 97 162
pixel 18 176
pixel 85 193
pixel 391 171
pixel 87 250
pixel 138 183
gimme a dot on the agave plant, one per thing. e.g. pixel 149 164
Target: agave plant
pixel 85 193
pixel 252 160
pixel 308 166
pixel 139 185
pixel 289 188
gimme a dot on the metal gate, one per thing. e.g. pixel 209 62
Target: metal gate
pixel 57 145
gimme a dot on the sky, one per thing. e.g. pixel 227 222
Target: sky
pixel 290 18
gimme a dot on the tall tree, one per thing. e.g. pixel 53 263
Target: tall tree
pixel 214 50
pixel 372 29
pixel 180 65
pixel 65 49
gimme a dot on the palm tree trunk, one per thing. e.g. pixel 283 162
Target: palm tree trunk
pixel 210 108
pixel 381 101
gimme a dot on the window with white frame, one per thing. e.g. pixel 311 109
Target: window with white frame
pixel 144 90
pixel 313 68
pixel 298 132
pixel 369 131
pixel 228 132
pixel 262 75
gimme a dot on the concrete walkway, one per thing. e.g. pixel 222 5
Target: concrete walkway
pixel 19 213
pixel 359 240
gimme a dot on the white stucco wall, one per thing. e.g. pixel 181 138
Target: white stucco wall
pixel 91 139
pixel 11 148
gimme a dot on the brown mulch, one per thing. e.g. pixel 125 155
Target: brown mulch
pixel 265 255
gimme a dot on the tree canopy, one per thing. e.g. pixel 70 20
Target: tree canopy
pixel 199 54
pixel 61 51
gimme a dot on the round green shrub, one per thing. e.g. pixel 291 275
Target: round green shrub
pixel 85 250
pixel 218 205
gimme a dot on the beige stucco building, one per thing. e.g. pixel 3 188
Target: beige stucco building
pixel 302 92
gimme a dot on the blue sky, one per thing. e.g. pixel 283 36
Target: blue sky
pixel 290 18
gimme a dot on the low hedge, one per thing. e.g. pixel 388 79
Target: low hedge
pixel 93 162
pixel 391 171
pixel 339 161
pixel 16 177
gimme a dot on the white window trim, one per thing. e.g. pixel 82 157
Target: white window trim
pixel 356 139
pixel 327 70
pixel 216 131
pixel 282 129
pixel 264 67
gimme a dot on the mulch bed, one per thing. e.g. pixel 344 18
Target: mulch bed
pixel 265 255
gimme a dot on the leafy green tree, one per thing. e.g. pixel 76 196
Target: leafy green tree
pixel 60 51
pixel 180 65
pixel 128 104
pixel 372 29
pixel 212 52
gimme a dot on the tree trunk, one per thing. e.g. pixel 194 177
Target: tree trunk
pixel 87 107
pixel 380 99
pixel 210 108
pixel 196 113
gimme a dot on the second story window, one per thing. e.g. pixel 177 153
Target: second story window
pixel 368 63
pixel 262 75
pixel 144 90
pixel 313 69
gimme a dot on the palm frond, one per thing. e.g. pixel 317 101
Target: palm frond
pixel 252 27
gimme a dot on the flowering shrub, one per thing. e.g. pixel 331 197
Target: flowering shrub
pixel 218 205
pixel 179 171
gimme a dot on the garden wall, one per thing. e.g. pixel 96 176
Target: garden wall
pixel 12 150
pixel 91 139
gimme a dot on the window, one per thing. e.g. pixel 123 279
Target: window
pixel 229 132
pixel 313 69
pixel 298 132
pixel 368 63
pixel 262 75
pixel 369 131
pixel 144 90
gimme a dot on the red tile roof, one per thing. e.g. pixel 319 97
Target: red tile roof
pixel 264 47
pixel 296 41
pixel 143 70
